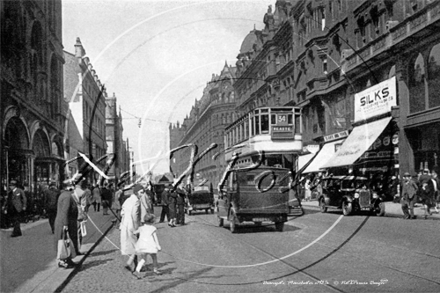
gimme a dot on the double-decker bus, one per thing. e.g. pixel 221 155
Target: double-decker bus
pixel 261 149
pixel 274 131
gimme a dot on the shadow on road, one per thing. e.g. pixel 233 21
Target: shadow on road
pixel 93 263
pixel 178 280
pixel 95 254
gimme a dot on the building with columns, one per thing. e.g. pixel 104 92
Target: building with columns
pixel 32 112
pixel 86 97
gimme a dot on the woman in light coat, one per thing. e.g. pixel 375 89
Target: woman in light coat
pixel 308 192
pixel 130 222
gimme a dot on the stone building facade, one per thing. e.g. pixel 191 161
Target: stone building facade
pixel 114 138
pixel 322 55
pixel 331 58
pixel 32 107
pixel 204 126
pixel 82 90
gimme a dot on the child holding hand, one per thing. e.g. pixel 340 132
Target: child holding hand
pixel 147 244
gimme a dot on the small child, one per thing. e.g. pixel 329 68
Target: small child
pixel 147 244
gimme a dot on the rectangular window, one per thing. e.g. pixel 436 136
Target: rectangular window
pixel 324 65
pixel 265 123
pixel 257 125
pixel 273 119
pixel 290 119
pixel 252 127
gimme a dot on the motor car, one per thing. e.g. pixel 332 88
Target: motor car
pixel 351 194
pixel 200 199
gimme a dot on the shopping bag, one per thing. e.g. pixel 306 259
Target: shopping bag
pixel 65 249
pixel 83 228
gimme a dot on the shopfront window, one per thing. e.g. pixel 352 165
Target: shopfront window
pixel 434 77
pixel 417 85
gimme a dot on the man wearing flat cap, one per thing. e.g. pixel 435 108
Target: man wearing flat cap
pixel 16 206
pixel 409 196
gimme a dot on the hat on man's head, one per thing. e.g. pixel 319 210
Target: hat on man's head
pixel 13 183
pixel 137 187
pixel 406 174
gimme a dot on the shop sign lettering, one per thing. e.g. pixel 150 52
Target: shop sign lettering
pixel 375 100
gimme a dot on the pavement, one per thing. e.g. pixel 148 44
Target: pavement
pixel 29 263
pixel 392 209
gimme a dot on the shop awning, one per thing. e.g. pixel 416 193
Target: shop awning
pixel 304 159
pixel 321 158
pixel 359 141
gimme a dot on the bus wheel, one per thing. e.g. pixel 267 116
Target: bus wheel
pixel 279 226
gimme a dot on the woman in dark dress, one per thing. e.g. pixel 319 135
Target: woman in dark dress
pixel 172 206
pixel 67 216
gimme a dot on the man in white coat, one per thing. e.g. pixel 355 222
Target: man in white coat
pixel 130 222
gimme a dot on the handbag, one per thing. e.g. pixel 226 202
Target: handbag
pixel 65 247
pixel 83 228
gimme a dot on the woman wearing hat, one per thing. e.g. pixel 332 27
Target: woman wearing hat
pixel 66 222
pixel 426 188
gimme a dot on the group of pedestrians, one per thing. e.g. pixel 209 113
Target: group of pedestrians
pixel 424 189
pixel 173 206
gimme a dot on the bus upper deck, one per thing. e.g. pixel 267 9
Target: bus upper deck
pixel 272 130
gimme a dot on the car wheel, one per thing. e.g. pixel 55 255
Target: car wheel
pixel 212 211
pixel 347 208
pixel 207 211
pixel 279 226
pixel 322 206
pixel 380 211
pixel 220 222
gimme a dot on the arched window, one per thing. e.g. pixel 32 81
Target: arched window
pixel 434 77
pixel 416 84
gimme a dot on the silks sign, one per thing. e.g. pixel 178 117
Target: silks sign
pixel 375 100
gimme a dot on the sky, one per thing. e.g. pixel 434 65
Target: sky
pixel 157 57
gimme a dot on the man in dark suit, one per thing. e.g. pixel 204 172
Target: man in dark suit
pixel 16 206
pixel 50 204
pixel 165 210
pixel 409 196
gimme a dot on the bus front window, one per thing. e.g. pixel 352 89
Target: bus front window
pixel 257 124
pixel 264 123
